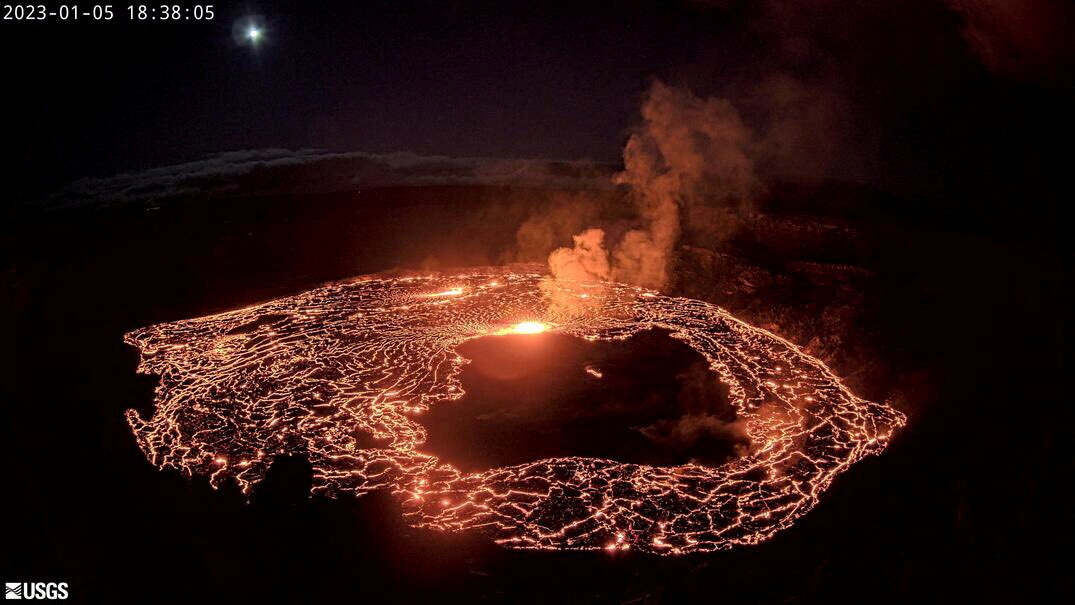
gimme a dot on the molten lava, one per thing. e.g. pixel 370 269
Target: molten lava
pixel 529 327
pixel 313 374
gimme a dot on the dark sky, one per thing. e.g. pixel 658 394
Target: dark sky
pixel 896 94
pixel 488 78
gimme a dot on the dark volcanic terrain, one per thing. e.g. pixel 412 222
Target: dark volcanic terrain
pixel 960 331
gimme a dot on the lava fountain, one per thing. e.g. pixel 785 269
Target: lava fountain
pixel 324 373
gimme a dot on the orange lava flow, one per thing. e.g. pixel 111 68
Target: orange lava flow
pixel 320 373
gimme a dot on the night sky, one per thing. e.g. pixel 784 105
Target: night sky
pixel 914 96
pixel 482 78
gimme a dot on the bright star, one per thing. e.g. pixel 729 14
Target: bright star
pixel 250 30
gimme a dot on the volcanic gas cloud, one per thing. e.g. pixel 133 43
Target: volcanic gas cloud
pixel 326 373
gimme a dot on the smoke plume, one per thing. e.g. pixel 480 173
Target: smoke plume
pixel 553 223
pixel 687 166
pixel 587 261
pixel 1029 39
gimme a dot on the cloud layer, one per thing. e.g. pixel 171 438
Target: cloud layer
pixel 275 171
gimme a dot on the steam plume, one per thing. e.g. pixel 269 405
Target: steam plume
pixel 687 166
pixel 587 261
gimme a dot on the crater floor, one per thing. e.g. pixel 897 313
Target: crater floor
pixel 347 375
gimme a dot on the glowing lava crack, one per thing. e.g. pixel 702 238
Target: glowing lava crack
pixel 315 374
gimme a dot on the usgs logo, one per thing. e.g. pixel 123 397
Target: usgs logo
pixel 52 591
